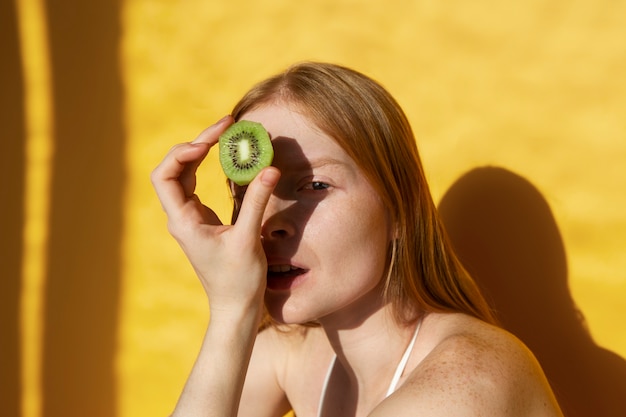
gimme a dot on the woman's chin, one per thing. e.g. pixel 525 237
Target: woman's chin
pixel 286 311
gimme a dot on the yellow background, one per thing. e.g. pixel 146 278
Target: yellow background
pixel 109 316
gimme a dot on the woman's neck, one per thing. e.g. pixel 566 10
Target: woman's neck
pixel 369 350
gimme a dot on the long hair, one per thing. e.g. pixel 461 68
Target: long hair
pixel 424 274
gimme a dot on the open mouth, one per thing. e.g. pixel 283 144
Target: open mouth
pixel 283 271
pixel 282 276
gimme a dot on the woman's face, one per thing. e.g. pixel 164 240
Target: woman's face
pixel 325 231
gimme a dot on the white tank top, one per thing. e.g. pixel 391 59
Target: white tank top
pixel 394 381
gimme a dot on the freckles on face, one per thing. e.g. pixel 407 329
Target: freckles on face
pixel 356 239
pixel 324 219
pixel 343 245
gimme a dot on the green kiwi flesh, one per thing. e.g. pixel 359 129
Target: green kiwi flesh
pixel 245 149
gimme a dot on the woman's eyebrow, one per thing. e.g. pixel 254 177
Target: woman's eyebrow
pixel 308 164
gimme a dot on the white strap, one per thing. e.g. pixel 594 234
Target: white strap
pixel 325 386
pixel 403 362
pixel 394 380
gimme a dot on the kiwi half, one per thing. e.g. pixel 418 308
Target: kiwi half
pixel 245 149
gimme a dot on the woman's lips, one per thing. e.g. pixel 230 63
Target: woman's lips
pixel 278 269
pixel 283 277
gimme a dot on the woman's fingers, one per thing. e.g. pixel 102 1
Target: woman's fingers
pixel 175 178
pixel 255 201
pixel 208 134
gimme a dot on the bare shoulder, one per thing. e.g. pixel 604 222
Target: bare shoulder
pixel 468 367
pixel 291 339
pixel 262 393
pixel 286 365
pixel 276 347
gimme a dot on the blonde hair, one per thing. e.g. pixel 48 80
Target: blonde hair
pixel 365 120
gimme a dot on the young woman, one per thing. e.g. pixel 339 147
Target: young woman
pixel 336 253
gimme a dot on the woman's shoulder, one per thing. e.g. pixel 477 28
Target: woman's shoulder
pixel 299 357
pixel 294 346
pixel 469 348
pixel 292 338
pixel 281 356
pixel 465 365
pixel 466 340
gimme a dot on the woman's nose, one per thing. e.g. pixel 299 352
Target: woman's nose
pixel 277 223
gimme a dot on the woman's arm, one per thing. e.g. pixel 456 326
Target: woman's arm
pixel 216 380
pixel 231 265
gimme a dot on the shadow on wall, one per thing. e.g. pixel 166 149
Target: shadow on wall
pixel 12 167
pixel 85 219
pixel 506 236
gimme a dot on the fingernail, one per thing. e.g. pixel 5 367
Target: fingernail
pixel 201 136
pixel 269 177
pixel 223 119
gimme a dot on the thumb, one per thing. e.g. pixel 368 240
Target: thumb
pixel 255 200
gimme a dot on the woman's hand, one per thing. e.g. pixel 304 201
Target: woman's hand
pixel 231 265
pixel 229 260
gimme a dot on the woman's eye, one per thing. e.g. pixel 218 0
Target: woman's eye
pixel 316 186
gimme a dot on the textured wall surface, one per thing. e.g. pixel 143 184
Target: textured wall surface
pixel 535 90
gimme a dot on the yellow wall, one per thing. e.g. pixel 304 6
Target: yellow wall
pixel 109 316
